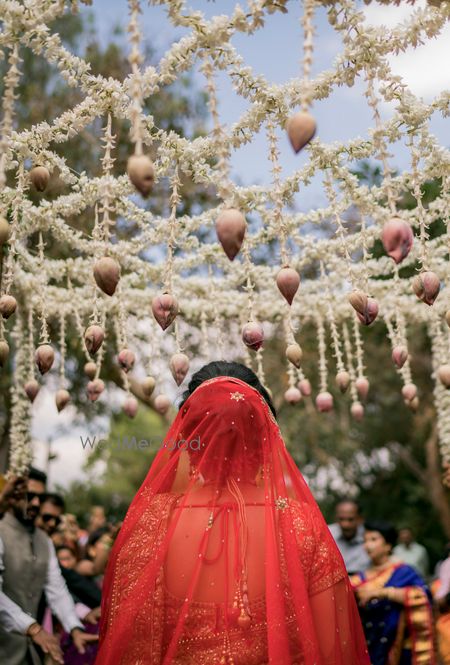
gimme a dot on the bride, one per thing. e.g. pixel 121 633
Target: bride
pixel 224 556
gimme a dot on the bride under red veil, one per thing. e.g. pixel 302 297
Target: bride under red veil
pixel 224 556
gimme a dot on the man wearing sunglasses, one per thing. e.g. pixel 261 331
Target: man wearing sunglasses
pixel 28 567
pixel 51 509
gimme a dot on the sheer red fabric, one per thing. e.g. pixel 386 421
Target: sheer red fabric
pixel 224 556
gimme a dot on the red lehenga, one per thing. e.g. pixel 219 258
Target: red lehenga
pixel 224 556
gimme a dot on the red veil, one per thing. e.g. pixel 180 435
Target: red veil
pixel 224 556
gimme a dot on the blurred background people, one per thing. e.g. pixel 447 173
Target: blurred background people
pixel 412 553
pixel 348 532
pixel 441 595
pixel 394 602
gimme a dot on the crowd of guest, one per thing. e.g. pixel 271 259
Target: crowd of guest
pixel 51 575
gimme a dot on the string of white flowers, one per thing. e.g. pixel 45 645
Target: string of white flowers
pixel 308 49
pixel 350 362
pixel 16 202
pixel 62 348
pixel 44 336
pixel 260 366
pixel 10 83
pixel 20 437
pixel 359 349
pixel 417 192
pixel 136 60
pixel 108 160
pixel 441 394
pixel 336 343
pixel 323 372
pixel 30 345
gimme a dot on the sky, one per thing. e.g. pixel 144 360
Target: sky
pixel 275 52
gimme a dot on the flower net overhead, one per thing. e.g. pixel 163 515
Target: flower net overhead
pixel 208 274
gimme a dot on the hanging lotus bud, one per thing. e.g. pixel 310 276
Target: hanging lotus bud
pixel 447 317
pixel 107 274
pixel 126 359
pixel 44 357
pixel 343 380
pixel 4 231
pixel 230 229
pixel 301 128
pixel 162 403
pixel 413 404
pixel 141 172
pixel 444 375
pixel 32 388
pixel 294 354
pixel 305 387
pixel 288 281
pixel 397 238
pixel 93 338
pixel 4 352
pixel 148 386
pixel 39 176
pixel 292 395
pixel 179 366
pixel 130 407
pixel 399 356
pixel 62 398
pixel 362 387
pixel 370 313
pixel 165 309
pixel 358 300
pixel 357 411
pixel 426 286
pixel 8 305
pixel 409 391
pixel 90 369
pixel 324 402
pixel 95 389
pixel 253 335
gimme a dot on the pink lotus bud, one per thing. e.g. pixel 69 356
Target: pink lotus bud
pixel 44 357
pixel 90 369
pixel 253 335
pixel 362 387
pixel 370 313
pixel 165 309
pixel 324 402
pixel 141 173
pixel 179 366
pixel 358 300
pixel 444 375
pixel 39 176
pixel 126 359
pixel 32 388
pixel 397 238
pixel 301 128
pixel 4 352
pixel 107 274
pixel 130 407
pixel 162 403
pixel 294 354
pixel 93 338
pixel 292 395
pixel 231 227
pixel 343 381
pixel 8 305
pixel 305 387
pixel 4 231
pixel 62 398
pixel 409 391
pixel 426 286
pixel 399 356
pixel 357 411
pixel 288 281
pixel 148 386
pixel 95 389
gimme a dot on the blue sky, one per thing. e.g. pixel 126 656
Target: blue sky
pixel 275 52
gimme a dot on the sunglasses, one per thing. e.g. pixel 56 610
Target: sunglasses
pixel 47 517
pixel 34 495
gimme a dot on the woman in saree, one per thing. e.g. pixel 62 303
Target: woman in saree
pixel 394 604
pixel 224 557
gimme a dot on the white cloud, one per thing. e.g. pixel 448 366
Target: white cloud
pixel 424 69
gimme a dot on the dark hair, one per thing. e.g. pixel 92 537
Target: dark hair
pixel 58 548
pixel 36 474
pixel 347 499
pixel 223 368
pixel 96 535
pixel 387 530
pixel 55 499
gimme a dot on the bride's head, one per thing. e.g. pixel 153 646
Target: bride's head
pixel 229 415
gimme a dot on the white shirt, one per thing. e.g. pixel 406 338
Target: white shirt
pixel 14 619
